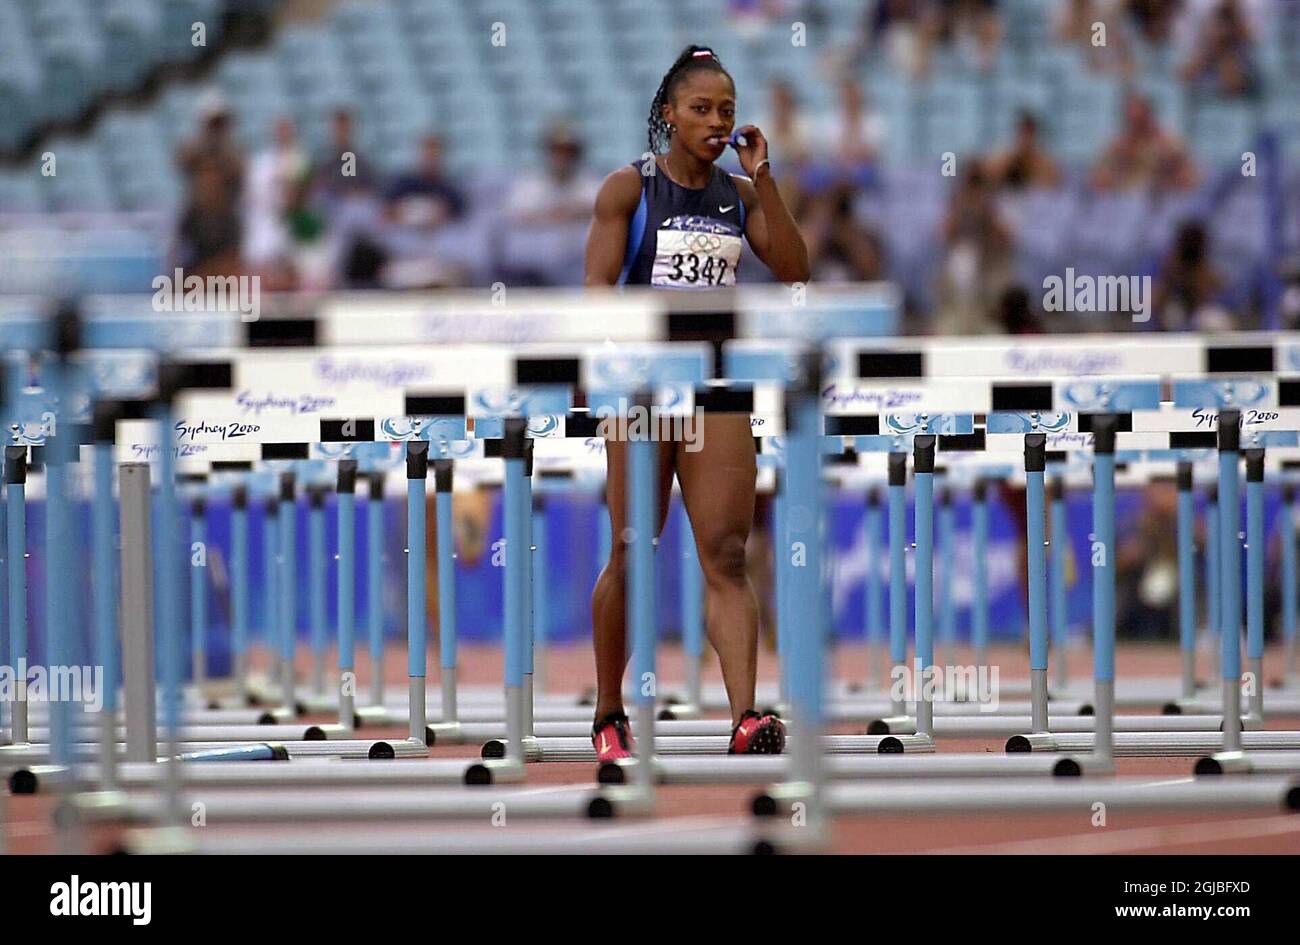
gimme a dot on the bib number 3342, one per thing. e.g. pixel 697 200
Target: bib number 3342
pixel 685 259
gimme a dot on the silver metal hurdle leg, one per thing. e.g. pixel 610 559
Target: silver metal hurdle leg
pixel 1060 549
pixel 103 574
pixel 316 588
pixel 1230 575
pixel 1186 580
pixel 526 499
pixel 288 587
pixel 375 584
pixel 137 614
pixel 198 597
pixel 897 575
pixel 417 629
pixel 511 767
pixel 443 471
pixel 347 575
pixel 1035 468
pixel 1104 429
pixel 16 543
pixel 979 544
pixel 1255 580
pixel 1290 583
pixel 239 589
pixel 923 449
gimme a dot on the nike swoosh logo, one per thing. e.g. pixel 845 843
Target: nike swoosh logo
pixel 726 208
pixel 604 745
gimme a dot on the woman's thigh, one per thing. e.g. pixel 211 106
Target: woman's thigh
pixel 616 477
pixel 718 480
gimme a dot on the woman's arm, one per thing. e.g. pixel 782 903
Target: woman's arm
pixel 770 228
pixel 607 239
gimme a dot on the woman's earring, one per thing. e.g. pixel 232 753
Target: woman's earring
pixel 672 129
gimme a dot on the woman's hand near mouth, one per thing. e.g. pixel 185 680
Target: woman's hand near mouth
pixel 753 151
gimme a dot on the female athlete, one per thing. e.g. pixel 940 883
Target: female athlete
pixel 677 223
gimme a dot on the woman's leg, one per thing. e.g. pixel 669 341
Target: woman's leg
pixel 608 602
pixel 760 567
pixel 718 489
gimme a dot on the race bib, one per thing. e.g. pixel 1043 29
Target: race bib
pixel 696 253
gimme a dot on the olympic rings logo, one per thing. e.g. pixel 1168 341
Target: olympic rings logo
pixel 706 243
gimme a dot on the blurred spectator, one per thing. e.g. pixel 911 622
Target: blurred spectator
pixel 209 227
pixel 548 212
pixel 895 29
pixel 969 27
pixel 1016 313
pixel 907 32
pixel 419 206
pixel 214 147
pixel 277 178
pixel 425 198
pixel 853 135
pixel 840 247
pixel 1154 20
pixel 345 187
pixel 749 18
pixel 343 171
pixel 1222 60
pixel 213 166
pixel 788 134
pixel 978 262
pixel 1026 165
pixel 564 192
pixel 1188 288
pixel 1143 155
pixel 1077 26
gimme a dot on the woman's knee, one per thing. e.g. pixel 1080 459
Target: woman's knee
pixel 616 565
pixel 723 558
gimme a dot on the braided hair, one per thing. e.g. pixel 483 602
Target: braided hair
pixel 693 59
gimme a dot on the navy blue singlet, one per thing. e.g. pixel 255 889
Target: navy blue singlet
pixel 681 238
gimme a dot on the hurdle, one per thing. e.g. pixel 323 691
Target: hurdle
pixel 810 772
pixel 1156 722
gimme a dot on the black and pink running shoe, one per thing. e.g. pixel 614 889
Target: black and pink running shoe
pixel 757 735
pixel 612 738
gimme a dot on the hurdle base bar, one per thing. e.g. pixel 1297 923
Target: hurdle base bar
pixel 13 757
pixel 692 835
pixel 791 799
pixel 306 772
pixel 1130 794
pixel 191 715
pixel 1274 704
pixel 481 732
pixel 225 733
pixel 628 799
pixel 680 711
pixel 239 805
pixel 103 807
pixel 983 726
pixel 768 769
pixel 318 703
pixel 881 710
pixel 1156 744
pixel 580 749
pixel 502 770
pixel 1254 762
